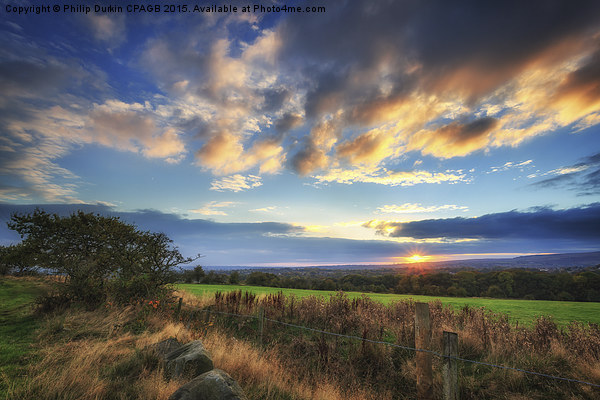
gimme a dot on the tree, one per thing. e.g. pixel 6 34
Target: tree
pixel 234 278
pixel 494 291
pixel 149 268
pixel 507 282
pixel 262 279
pixel 98 254
pixel 16 259
pixel 198 273
pixel 5 265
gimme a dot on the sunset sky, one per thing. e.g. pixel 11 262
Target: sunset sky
pixel 367 133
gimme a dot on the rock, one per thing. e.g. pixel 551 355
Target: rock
pixel 165 347
pixel 212 385
pixel 191 360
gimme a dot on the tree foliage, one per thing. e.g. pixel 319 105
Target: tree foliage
pixel 16 260
pixel 100 256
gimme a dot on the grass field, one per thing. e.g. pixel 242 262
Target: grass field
pixel 523 311
pixel 17 328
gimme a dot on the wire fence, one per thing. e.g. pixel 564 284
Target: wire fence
pixel 432 352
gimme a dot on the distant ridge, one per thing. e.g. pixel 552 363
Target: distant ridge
pixel 544 261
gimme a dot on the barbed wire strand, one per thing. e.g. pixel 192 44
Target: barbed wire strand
pixel 435 353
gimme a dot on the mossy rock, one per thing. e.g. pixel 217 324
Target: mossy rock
pixel 212 385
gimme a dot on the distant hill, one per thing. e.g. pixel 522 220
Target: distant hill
pixel 551 261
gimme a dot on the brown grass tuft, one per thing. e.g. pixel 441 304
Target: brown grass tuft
pixel 264 375
pixel 91 355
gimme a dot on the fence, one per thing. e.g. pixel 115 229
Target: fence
pixel 424 365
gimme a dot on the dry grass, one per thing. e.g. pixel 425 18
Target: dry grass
pixel 191 300
pixel 572 352
pixel 90 355
pixel 265 376
pixel 95 355
pixel 100 354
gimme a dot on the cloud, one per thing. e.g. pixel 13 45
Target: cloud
pixel 583 177
pixel 238 89
pixel 53 105
pixel 581 223
pixel 30 161
pixel 221 152
pixel 287 122
pixel 509 165
pixel 408 208
pixel 312 155
pixel 450 92
pixel 268 209
pixel 32 144
pixel 454 139
pixel 367 148
pixel 133 127
pixel 228 243
pixel 272 242
pixel 383 176
pixel 236 183
pixel 578 94
pixel 29 78
pixel 107 29
pixel 345 96
pixel 213 208
pixel 309 158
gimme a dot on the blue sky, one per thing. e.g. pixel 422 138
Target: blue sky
pixel 366 133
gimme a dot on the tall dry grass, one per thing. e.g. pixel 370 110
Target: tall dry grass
pixel 572 352
pixel 104 354
pixel 92 355
pixel 264 375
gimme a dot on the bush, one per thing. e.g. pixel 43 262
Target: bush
pixel 48 303
pixel 100 256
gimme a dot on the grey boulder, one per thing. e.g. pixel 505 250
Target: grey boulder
pixel 165 347
pixel 191 360
pixel 212 385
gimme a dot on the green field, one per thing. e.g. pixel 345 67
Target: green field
pixel 17 328
pixel 523 311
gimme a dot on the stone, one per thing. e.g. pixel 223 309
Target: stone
pixel 190 360
pixel 212 385
pixel 165 347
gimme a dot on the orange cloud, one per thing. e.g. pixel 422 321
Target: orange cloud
pixel 579 93
pixel 133 127
pixel 368 148
pixel 454 139
pixel 224 154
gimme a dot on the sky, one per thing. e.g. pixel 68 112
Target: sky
pixel 360 132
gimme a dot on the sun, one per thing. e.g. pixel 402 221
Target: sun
pixel 417 258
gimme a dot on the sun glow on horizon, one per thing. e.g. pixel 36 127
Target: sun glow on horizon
pixel 417 258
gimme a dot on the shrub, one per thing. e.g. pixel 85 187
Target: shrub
pixel 100 256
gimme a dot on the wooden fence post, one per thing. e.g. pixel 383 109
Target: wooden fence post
pixel 178 311
pixel 424 362
pixel 261 324
pixel 450 371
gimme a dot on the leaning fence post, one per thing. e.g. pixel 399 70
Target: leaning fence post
pixel 261 324
pixel 178 311
pixel 450 371
pixel 424 362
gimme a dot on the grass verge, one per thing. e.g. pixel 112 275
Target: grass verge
pixel 103 354
pixel 17 328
